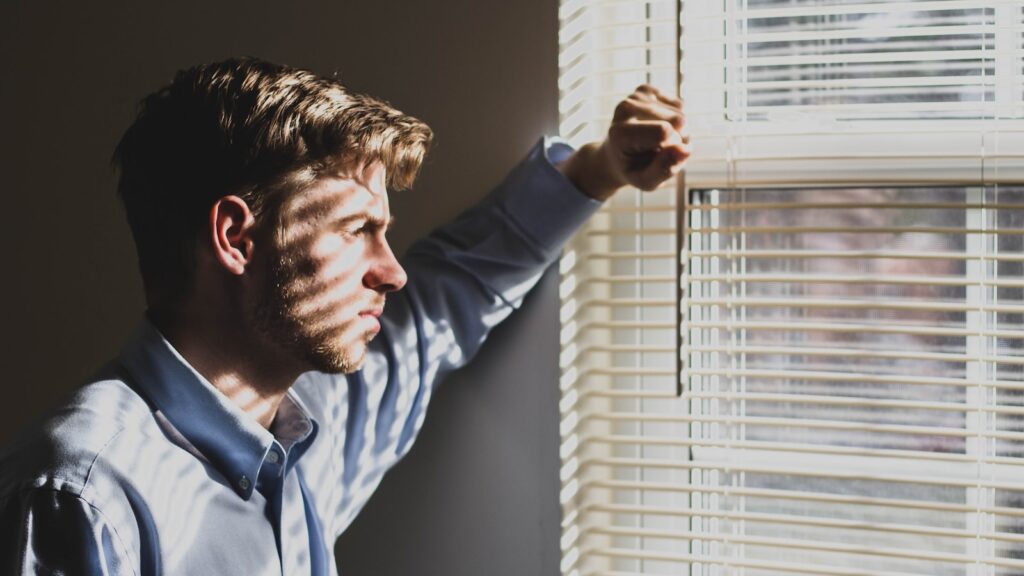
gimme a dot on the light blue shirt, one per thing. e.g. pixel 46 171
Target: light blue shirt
pixel 149 470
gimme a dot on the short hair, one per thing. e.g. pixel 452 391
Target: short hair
pixel 246 127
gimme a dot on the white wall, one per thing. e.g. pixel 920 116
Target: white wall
pixel 478 494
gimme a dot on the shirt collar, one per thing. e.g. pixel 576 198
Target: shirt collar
pixel 293 427
pixel 229 439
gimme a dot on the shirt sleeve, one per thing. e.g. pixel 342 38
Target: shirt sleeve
pixel 464 279
pixel 468 276
pixel 60 533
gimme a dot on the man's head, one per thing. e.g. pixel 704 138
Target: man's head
pixel 245 151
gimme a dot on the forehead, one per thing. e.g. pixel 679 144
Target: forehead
pixel 340 193
pixel 371 176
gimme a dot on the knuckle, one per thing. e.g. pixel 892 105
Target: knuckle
pixel 625 108
pixel 665 130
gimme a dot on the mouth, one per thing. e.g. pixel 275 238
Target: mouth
pixel 371 316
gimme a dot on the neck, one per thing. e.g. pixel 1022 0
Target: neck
pixel 241 367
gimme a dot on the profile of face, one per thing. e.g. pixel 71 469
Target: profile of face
pixel 329 269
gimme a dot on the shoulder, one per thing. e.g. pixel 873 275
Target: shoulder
pixel 62 452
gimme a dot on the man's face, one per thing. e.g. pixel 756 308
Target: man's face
pixel 329 269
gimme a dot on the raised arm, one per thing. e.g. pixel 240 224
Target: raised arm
pixel 469 275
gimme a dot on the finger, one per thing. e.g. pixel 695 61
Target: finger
pixel 652 93
pixel 634 108
pixel 670 100
pixel 665 165
pixel 643 136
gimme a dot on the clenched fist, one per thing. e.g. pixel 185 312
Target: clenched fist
pixel 645 147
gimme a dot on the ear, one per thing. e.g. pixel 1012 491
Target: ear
pixel 231 233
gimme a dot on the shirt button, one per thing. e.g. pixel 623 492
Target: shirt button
pixel 243 483
pixel 273 457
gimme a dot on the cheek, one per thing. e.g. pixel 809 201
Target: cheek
pixel 337 260
pixel 331 276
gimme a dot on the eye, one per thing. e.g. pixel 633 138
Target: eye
pixel 354 228
pixel 359 227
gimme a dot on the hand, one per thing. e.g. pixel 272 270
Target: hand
pixel 644 148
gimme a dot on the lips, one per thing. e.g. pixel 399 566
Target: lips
pixel 372 315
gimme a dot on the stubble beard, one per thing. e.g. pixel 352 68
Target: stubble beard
pixel 323 346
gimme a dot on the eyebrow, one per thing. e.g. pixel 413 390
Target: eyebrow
pixel 370 218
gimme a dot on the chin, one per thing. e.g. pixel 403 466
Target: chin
pixel 338 360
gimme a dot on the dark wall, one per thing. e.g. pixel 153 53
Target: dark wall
pixel 478 494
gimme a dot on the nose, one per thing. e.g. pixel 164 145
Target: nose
pixel 385 274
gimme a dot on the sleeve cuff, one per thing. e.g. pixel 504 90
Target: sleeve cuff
pixel 544 204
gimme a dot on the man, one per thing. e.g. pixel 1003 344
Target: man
pixel 268 390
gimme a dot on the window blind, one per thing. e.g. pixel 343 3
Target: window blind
pixel 830 91
pixel 803 357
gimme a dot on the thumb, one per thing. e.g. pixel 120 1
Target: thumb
pixel 664 164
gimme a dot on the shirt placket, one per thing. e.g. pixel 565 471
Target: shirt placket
pixel 285 511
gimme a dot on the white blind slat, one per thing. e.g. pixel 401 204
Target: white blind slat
pixel 801 448
pixel 799 495
pixel 800 520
